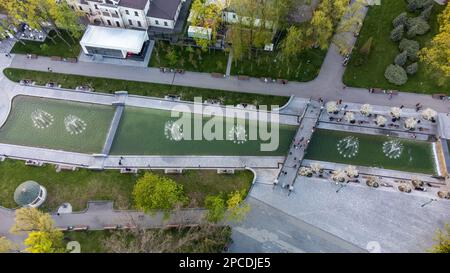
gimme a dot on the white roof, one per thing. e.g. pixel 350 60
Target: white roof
pixel 114 38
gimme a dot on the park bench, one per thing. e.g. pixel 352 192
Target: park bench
pixel 217 75
pixel 173 171
pixel 439 96
pixel 34 163
pixel 32 56
pixel 172 97
pixel 128 226
pixel 377 91
pixel 266 80
pixel 110 227
pixel 80 228
pixel 83 88
pixel 62 228
pixel 172 226
pixel 180 71
pixel 60 168
pixel 225 171
pixel 128 170
pixel 282 81
pixel 164 69
pixel 243 78
pixel 55 58
pixel 26 82
pixel 213 101
pixel 52 85
pixel 71 60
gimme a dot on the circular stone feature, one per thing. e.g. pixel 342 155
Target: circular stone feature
pixel 348 147
pixel 392 149
pixel 173 131
pixel 237 134
pixel 74 125
pixel 41 119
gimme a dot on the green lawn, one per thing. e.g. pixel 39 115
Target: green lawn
pixel 50 48
pixel 378 24
pixel 83 185
pixel 188 58
pixel 143 89
pixel 269 64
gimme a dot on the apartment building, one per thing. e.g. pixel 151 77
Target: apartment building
pixel 138 14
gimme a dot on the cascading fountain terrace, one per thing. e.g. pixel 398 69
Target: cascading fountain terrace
pixel 237 134
pixel 348 147
pixel 173 131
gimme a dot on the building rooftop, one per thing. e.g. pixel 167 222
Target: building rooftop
pixel 134 4
pixel 27 192
pixel 164 9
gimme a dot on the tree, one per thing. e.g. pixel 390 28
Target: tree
pixel 6 245
pixel 215 204
pixel 153 192
pixel 44 242
pixel 401 58
pixel 411 46
pixel 323 28
pixel 207 15
pixel 31 219
pixel 396 74
pixel 412 68
pixel 401 19
pixel 436 55
pixel 415 5
pixel 442 238
pixel 426 13
pixel 172 57
pixel 366 48
pixel 397 33
pixel 235 209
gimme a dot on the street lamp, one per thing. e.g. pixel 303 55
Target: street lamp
pixel 428 202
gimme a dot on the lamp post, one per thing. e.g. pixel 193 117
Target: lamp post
pixel 428 202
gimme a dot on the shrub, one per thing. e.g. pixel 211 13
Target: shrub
pixel 400 19
pixel 426 13
pixel 412 68
pixel 411 46
pixel 401 58
pixel 397 33
pixel 395 74
pixel 417 26
pixel 415 5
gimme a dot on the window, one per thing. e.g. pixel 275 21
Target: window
pixel 156 22
pixel 234 16
pixel 118 24
pixel 165 23
pixel 109 22
pixel 130 22
pixel 139 23
pixel 136 13
pixel 116 12
pixel 127 12
pixel 96 7
pixel 81 8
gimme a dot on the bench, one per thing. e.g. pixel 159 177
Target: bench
pixel 34 163
pixel 172 226
pixel 217 75
pixel 225 171
pixel 243 78
pixel 72 60
pixel 127 226
pixel 110 227
pixel 439 96
pixel 26 82
pixel 80 228
pixel 172 97
pixel 32 56
pixel 129 170
pixel 173 171
pixel 282 81
pixel 180 71
pixel 56 58
pixel 60 168
pixel 62 228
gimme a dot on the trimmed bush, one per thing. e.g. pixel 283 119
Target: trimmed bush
pixel 415 5
pixel 395 74
pixel 400 19
pixel 401 58
pixel 417 26
pixel 426 13
pixel 412 68
pixel 411 46
pixel 397 33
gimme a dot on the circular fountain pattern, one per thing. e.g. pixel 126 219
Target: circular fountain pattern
pixel 237 134
pixel 41 119
pixel 348 147
pixel 392 149
pixel 74 125
pixel 173 131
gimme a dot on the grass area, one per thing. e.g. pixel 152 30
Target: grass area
pixel 50 48
pixel 212 241
pixel 304 68
pixel 142 88
pixel 188 58
pixel 378 24
pixel 79 187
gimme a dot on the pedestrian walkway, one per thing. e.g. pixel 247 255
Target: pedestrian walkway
pixel 297 150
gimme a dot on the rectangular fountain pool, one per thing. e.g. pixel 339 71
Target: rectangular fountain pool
pixel 144 131
pixel 372 151
pixel 57 124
